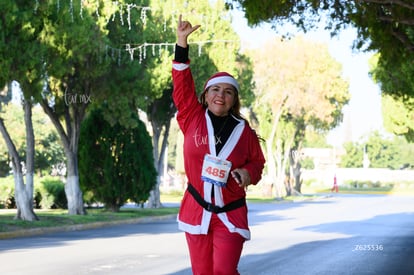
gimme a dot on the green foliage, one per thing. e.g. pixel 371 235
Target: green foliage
pixel 383 186
pixel 12 115
pixel 398 115
pixel 115 163
pixel 394 76
pixel 397 107
pixel 353 156
pixel 393 153
pixel 19 51
pixel 48 149
pixel 50 194
pixel 307 163
pixel 315 139
pixel 4 164
pixel 382 153
pixel 382 26
pixel 7 193
pixel 76 56
pixel 77 53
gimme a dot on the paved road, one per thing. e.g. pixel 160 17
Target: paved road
pixel 342 234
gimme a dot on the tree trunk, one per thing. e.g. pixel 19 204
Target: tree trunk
pixel 288 185
pixel 72 188
pixel 160 112
pixel 271 166
pixel 272 159
pixel 74 196
pixel 279 168
pixel 154 200
pixel 285 158
pixel 294 172
pixel 23 193
pixel 27 200
pixel 70 140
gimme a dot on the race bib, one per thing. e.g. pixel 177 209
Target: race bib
pixel 215 170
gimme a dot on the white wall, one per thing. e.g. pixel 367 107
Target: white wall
pixel 325 176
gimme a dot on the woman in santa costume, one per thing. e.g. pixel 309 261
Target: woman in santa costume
pixel 222 156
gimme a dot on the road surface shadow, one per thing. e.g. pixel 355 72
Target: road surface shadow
pixel 329 257
pixel 375 246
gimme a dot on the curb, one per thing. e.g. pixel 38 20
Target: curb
pixel 77 227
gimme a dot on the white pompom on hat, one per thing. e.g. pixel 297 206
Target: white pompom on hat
pixel 221 77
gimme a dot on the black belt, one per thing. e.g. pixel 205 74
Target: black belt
pixel 214 208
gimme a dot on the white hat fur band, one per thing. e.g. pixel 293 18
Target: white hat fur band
pixel 222 78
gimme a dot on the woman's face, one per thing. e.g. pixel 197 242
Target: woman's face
pixel 220 98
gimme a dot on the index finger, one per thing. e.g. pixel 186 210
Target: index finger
pixel 180 19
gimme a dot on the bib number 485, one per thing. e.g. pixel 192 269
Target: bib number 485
pixel 216 172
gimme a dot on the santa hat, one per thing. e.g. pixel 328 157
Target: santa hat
pixel 221 77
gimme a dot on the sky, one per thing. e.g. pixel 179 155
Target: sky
pixel 363 113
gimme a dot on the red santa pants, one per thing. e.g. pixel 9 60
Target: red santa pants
pixel 216 253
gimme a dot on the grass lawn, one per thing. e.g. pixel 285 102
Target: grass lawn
pixel 59 217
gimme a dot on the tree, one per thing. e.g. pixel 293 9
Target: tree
pixel 159 106
pixel 353 156
pixel 85 52
pixel 299 87
pixel 23 191
pixel 398 116
pixel 315 139
pixel 382 153
pixel 160 112
pixel 71 69
pixel 48 150
pixel 393 153
pixel 86 61
pixel 397 109
pixel 19 31
pixel 13 118
pixel 115 162
pixel 382 25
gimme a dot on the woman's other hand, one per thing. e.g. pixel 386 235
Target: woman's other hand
pixel 241 176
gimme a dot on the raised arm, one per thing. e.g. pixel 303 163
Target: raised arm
pixel 184 29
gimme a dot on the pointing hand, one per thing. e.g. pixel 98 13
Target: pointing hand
pixel 184 29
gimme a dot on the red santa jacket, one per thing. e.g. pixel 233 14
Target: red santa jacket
pixel 242 149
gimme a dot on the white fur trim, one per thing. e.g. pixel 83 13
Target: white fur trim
pixel 245 233
pixel 180 66
pixel 223 79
